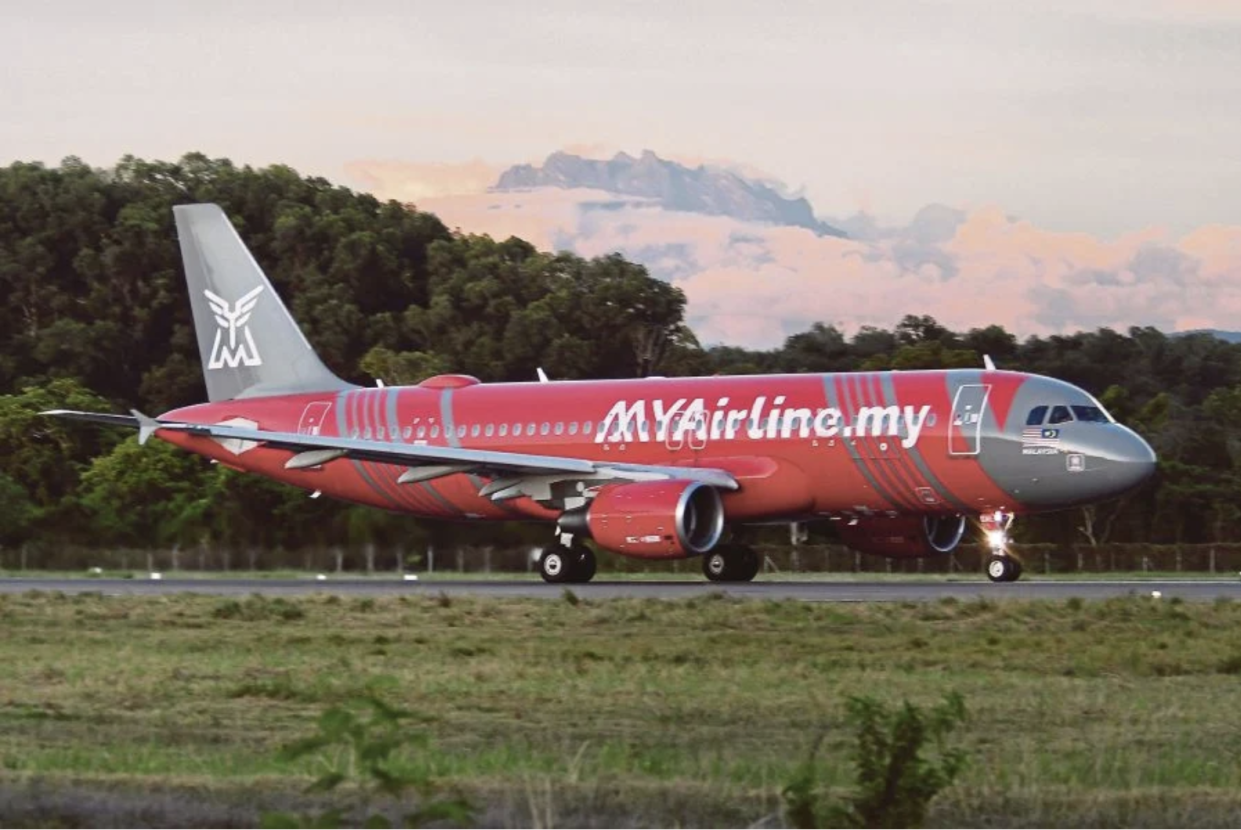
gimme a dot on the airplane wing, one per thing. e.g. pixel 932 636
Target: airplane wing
pixel 518 473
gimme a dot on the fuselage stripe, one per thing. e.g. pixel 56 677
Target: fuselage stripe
pixel 875 458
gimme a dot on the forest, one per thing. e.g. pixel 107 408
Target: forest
pixel 95 317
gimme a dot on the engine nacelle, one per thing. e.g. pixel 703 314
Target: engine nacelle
pixel 652 519
pixel 905 536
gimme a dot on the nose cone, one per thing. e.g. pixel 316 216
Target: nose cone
pixel 1130 462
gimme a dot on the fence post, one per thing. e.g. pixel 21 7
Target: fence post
pixel 430 558
pixel 1046 561
pixel 369 552
pixel 175 557
pixel 339 553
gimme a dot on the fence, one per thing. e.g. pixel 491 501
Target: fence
pixel 968 558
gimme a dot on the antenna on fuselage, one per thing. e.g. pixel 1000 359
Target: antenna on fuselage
pixel 542 375
pixel 988 363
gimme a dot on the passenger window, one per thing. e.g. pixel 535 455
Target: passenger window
pixel 560 428
pixel 1060 415
pixel 1036 416
pixel 516 430
pixel 422 432
pixel 586 427
pixel 474 430
pixel 435 431
pixel 573 427
pixel 503 430
pixel 367 434
pixel 1090 414
pixel 407 432
pixel 546 428
pixel 491 430
pixel 379 433
pixel 529 429
pixel 461 431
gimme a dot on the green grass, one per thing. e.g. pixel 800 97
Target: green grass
pixel 695 711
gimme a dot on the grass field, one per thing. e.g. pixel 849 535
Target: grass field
pixel 157 710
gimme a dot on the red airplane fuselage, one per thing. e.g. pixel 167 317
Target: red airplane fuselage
pixel 799 445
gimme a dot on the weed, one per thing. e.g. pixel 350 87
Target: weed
pixel 362 743
pixel 571 597
pixel 895 782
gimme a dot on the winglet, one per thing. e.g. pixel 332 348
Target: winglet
pixel 146 426
pixel 988 363
pixel 542 375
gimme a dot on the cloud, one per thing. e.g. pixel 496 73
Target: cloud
pixel 753 284
pixel 412 182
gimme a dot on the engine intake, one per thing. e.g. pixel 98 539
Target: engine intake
pixel 652 519
pixel 905 536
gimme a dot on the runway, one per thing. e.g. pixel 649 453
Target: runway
pixel 1200 590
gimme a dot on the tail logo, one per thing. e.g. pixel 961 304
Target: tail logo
pixel 233 320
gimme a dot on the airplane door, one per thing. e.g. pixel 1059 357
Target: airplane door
pixel 674 438
pixel 313 418
pixel 965 428
pixel 697 430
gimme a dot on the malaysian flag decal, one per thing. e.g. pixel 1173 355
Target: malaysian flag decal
pixel 1040 437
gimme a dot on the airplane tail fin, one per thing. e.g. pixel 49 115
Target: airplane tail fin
pixel 249 343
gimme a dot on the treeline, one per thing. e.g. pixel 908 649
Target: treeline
pixel 96 318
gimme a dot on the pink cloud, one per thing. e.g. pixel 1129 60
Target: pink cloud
pixel 752 284
pixel 411 182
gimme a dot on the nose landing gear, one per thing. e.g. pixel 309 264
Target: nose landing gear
pixel 1002 566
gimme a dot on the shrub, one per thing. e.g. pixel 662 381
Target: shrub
pixel 895 781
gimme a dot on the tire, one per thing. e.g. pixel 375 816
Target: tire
pixel 748 565
pixel 1003 569
pixel 555 565
pixel 584 564
pixel 730 564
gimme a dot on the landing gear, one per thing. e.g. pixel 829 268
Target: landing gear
pixel 574 563
pixel 1002 566
pixel 730 563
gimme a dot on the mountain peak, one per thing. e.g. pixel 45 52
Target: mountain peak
pixel 707 190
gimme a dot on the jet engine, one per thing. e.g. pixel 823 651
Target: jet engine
pixel 905 536
pixel 651 519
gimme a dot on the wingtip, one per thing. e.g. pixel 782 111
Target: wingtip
pixel 146 426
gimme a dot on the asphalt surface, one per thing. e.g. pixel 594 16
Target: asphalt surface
pixel 825 591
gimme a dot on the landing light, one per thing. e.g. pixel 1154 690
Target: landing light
pixel 996 539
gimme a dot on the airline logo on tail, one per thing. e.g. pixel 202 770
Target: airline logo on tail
pixel 232 321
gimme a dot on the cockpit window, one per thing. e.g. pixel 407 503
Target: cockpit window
pixel 1060 415
pixel 1036 416
pixel 1092 414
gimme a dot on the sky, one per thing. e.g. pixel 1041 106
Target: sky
pixel 1118 119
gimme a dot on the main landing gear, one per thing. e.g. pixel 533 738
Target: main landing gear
pixel 1002 566
pixel 730 563
pixel 572 563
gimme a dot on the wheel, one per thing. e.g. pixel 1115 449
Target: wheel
pixel 554 565
pixel 715 566
pixel 730 564
pixel 584 565
pixel 1003 569
pixel 747 565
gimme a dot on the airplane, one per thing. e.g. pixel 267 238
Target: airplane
pixel 901 462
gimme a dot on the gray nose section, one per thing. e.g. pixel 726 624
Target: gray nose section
pixel 1129 461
